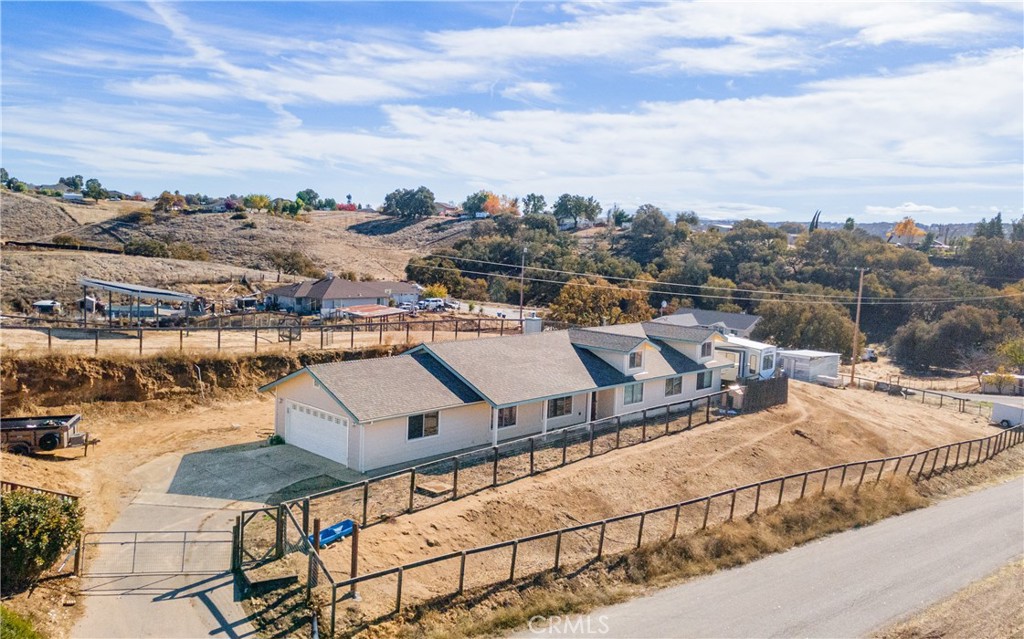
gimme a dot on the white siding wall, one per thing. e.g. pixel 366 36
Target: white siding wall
pixel 529 418
pixel 654 393
pixel 387 441
pixel 303 389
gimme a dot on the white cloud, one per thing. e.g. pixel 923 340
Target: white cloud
pixel 910 209
pixel 528 91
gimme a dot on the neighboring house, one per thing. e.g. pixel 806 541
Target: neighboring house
pixel 450 209
pixel 47 307
pixel 750 359
pixel 810 366
pixel 1002 384
pixel 738 324
pixel 440 398
pixel 73 198
pixel 330 293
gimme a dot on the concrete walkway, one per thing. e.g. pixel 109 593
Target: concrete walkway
pixel 195 492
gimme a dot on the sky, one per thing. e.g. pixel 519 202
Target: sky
pixel 731 109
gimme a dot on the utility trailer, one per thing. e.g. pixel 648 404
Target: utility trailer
pixel 44 434
pixel 1008 415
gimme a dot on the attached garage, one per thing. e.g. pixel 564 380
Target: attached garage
pixel 316 430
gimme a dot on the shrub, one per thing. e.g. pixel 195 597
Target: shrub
pixel 139 217
pixel 147 248
pixel 183 251
pixel 241 215
pixel 13 626
pixel 65 240
pixel 34 530
pixel 251 224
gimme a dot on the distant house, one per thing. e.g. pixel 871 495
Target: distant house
pixel 330 293
pixel 450 209
pixel 738 324
pixel 47 307
pixel 439 398
pixel 810 366
pixel 906 233
pixel 73 198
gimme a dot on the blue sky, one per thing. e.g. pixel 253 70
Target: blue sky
pixel 729 109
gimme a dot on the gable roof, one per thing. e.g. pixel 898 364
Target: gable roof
pixel 606 340
pixel 701 317
pixel 374 389
pixel 333 288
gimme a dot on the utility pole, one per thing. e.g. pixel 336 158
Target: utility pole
pixel 856 329
pixel 522 278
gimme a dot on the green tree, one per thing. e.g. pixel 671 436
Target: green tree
pixel 1017 230
pixel 850 224
pixel 534 204
pixel 329 204
pixel 410 203
pixel 310 197
pixel 35 529
pixel 4 176
pixel 435 290
pixel 95 190
pixel 257 201
pixel 74 182
pixel 475 202
pixel 649 234
pixel 576 207
pixel 791 324
pixel 167 202
pixel 593 302
pixel 1012 352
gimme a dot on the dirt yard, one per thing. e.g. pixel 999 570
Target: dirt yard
pixel 819 427
pixel 987 608
pixel 885 370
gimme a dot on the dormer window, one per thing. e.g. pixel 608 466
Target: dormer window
pixel 705 349
pixel 636 359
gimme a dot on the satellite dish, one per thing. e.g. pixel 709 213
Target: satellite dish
pixel 664 303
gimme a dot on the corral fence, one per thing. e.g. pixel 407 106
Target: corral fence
pixel 9 486
pixel 156 552
pixel 930 397
pixel 259 334
pixel 385 591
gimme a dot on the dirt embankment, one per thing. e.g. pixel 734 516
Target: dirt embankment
pixel 27 217
pixel 58 380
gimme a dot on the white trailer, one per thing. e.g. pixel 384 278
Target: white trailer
pixel 1007 415
pixel 810 366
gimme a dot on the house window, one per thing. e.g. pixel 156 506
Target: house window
pixel 633 394
pixel 673 386
pixel 704 380
pixel 636 359
pixel 506 417
pixel 769 362
pixel 559 406
pixel 424 425
pixel 705 349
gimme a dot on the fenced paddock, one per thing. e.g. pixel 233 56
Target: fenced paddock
pixel 65 337
pixel 924 396
pixel 385 591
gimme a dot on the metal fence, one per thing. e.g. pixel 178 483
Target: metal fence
pixel 160 552
pixel 924 396
pixel 506 561
pixel 430 484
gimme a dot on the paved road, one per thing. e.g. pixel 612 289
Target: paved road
pixel 846 585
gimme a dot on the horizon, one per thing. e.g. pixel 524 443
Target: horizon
pixel 734 111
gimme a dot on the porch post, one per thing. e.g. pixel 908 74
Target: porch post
pixel 544 417
pixel 494 426
pixel 589 409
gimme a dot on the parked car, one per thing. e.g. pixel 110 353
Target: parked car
pixel 433 304
pixel 406 306
pixel 452 304
pixel 869 355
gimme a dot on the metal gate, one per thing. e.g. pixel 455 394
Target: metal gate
pixel 145 552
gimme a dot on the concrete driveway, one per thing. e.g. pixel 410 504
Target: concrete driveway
pixel 200 491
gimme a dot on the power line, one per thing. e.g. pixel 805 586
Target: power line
pixel 850 300
pixel 783 295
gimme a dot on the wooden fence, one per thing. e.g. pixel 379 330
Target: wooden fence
pixel 53 336
pixel 931 397
pixel 761 394
pixel 9 486
pixel 691 514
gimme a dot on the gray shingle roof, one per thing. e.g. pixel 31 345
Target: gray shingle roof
pixel 661 330
pixel 334 288
pixel 606 340
pixel 701 317
pixel 391 386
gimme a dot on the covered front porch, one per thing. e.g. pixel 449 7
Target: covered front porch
pixel 553 413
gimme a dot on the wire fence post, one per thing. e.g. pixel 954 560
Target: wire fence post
pixel 640 531
pixel 398 591
pixel 618 431
pixel 842 478
pixel 558 549
pixel 462 572
pixel 757 497
pixel 512 569
pixel 354 566
pixel 825 480
pixel 366 499
pixel 675 522
pixel 782 489
pixel 600 540
pixel 565 444
pixel 591 427
pixel 412 487
pixel 455 479
pixel 732 504
pixel 707 511
pixel 803 486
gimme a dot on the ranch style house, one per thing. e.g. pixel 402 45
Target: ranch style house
pixel 445 397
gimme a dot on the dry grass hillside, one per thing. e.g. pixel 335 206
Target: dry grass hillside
pixel 371 244
pixel 27 217
pixel 819 427
pixel 31 275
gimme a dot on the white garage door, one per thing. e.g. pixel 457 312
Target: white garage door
pixel 317 431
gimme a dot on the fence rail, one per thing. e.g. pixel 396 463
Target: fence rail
pixel 932 397
pixel 407 490
pixel 718 507
pixel 51 335
pixel 8 486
